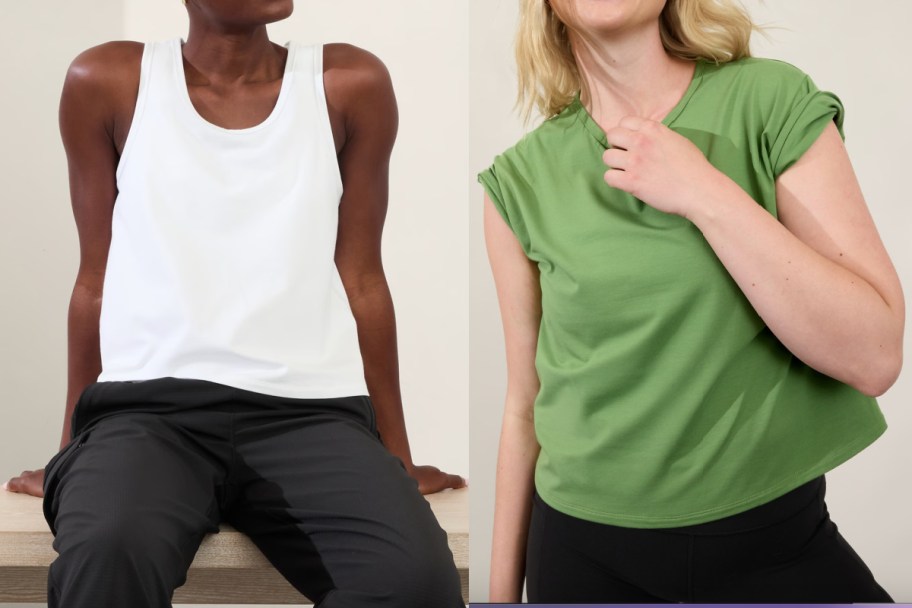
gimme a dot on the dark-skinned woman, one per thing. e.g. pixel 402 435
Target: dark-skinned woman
pixel 232 343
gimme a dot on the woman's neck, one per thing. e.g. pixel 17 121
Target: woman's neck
pixel 230 58
pixel 629 74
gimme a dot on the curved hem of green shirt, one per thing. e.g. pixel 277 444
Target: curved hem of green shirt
pixel 707 515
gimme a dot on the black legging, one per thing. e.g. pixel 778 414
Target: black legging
pixel 787 550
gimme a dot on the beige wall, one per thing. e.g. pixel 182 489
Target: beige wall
pixel 38 249
pixel 855 53
pixel 37 237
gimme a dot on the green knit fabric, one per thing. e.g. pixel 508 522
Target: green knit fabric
pixel 665 400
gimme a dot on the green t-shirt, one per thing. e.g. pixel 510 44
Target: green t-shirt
pixel 665 400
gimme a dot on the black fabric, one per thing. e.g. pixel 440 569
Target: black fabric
pixel 155 465
pixel 786 550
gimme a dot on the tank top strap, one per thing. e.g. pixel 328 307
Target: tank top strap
pixel 310 91
pixel 145 76
pixel 162 77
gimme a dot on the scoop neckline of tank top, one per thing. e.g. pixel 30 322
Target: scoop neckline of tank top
pixel 187 103
pixel 599 134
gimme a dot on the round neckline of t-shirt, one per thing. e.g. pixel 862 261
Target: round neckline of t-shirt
pixel 187 103
pixel 599 134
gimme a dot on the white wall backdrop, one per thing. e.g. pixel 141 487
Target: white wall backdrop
pixel 38 249
pixel 860 54
pixel 424 45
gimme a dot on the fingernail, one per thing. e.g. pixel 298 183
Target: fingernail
pixel 6 485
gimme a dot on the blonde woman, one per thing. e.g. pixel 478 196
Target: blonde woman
pixel 698 314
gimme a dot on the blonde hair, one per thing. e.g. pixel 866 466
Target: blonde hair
pixel 549 79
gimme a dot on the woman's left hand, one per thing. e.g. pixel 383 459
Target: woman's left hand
pixel 662 168
pixel 431 479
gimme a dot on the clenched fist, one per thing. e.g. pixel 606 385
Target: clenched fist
pixel 662 168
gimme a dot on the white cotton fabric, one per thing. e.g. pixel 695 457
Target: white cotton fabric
pixel 221 264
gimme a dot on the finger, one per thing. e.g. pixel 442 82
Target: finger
pixel 621 137
pixel 437 484
pixel 616 159
pixel 428 488
pixel 620 180
pixel 35 488
pixel 455 482
pixel 447 481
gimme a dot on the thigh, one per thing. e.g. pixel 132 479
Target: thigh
pixel 334 511
pixel 131 479
pixel 802 558
pixel 572 560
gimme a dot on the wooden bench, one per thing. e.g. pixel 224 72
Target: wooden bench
pixel 227 569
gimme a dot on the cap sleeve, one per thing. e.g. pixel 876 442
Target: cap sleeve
pixel 498 182
pixel 802 122
pixel 488 179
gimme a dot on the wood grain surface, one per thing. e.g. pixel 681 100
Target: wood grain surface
pixel 227 569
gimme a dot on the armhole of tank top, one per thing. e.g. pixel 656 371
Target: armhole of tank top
pixel 144 70
pixel 323 106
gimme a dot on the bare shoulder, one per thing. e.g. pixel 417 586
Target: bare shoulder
pixel 109 69
pixel 350 72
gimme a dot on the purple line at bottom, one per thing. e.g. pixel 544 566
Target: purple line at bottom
pixel 706 605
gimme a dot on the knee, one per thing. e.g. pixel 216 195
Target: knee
pixel 107 561
pixel 424 581
pixel 131 541
pixel 117 541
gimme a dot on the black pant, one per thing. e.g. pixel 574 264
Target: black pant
pixel 787 550
pixel 155 465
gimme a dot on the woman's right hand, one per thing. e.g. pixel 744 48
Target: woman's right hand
pixel 28 482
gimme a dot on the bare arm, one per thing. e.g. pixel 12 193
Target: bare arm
pixel 519 295
pixel 99 89
pixel 95 108
pixel 365 120
pixel 820 277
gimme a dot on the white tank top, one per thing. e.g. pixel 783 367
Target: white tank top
pixel 221 264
